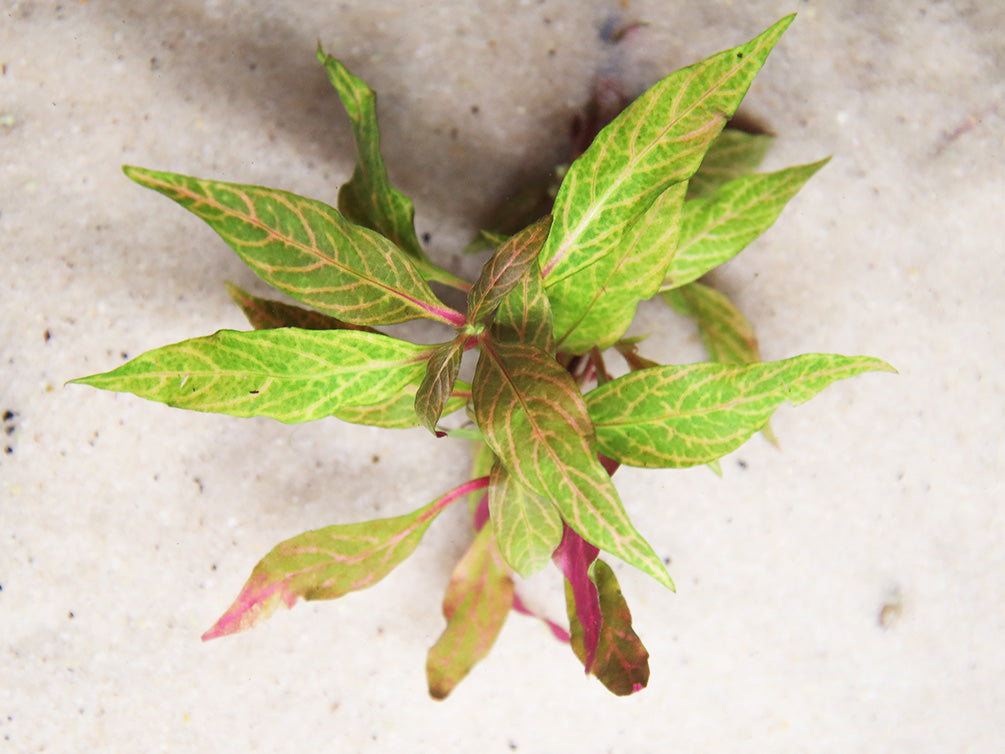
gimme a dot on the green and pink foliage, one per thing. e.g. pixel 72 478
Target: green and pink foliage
pixel 665 193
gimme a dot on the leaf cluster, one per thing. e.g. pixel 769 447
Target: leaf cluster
pixel 664 194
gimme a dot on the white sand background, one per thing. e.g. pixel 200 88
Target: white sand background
pixel 127 527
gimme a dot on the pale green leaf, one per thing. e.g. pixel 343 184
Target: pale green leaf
pixel 327 563
pixel 289 374
pixel 726 333
pixel 478 599
pixel 528 527
pixel 598 302
pixel 657 142
pixel 515 259
pixel 621 662
pixel 266 314
pixel 308 250
pixel 532 415
pixel 733 154
pixel 438 382
pixel 368 198
pixel 678 416
pixel 717 227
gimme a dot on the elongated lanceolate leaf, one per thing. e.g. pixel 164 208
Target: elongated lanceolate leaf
pixel 527 527
pixel 598 302
pixel 726 333
pixel 327 563
pixel 438 382
pixel 399 413
pixel 733 154
pixel 717 227
pixel 368 198
pixel 478 599
pixel 658 141
pixel 533 416
pixel 677 416
pixel 510 263
pixel 288 374
pixel 620 661
pixel 308 250
pixel 265 314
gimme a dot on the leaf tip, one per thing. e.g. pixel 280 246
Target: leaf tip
pixel 258 600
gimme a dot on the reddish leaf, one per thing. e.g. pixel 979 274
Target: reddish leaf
pixel 574 558
pixel 477 602
pixel 327 563
pixel 621 662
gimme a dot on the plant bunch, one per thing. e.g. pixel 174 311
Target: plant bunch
pixel 662 196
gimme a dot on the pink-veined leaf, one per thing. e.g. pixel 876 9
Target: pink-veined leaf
pixel 478 599
pixel 308 250
pixel 528 527
pixel 327 563
pixel 515 259
pixel 266 314
pixel 678 416
pixel 620 661
pixel 533 416
pixel 288 374
pixel 438 382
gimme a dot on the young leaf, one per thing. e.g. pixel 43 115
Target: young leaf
pixel 477 602
pixel 621 661
pixel 326 563
pixel 575 559
pixel 512 261
pixel 288 374
pixel 438 383
pixel 678 416
pixel 264 314
pixel 733 154
pixel 657 142
pixel 597 304
pixel 524 314
pixel 368 198
pixel 532 415
pixel 727 335
pixel 717 227
pixel 308 250
pixel 528 527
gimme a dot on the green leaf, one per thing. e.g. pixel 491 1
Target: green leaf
pixel 726 333
pixel 327 563
pixel 678 416
pixel 510 264
pixel 478 599
pixel 715 228
pixel 532 415
pixel 733 154
pixel 438 382
pixel 527 527
pixel 288 374
pixel 368 198
pixel 399 413
pixel 308 250
pixel 657 142
pixel 598 303
pixel 265 314
pixel 622 662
